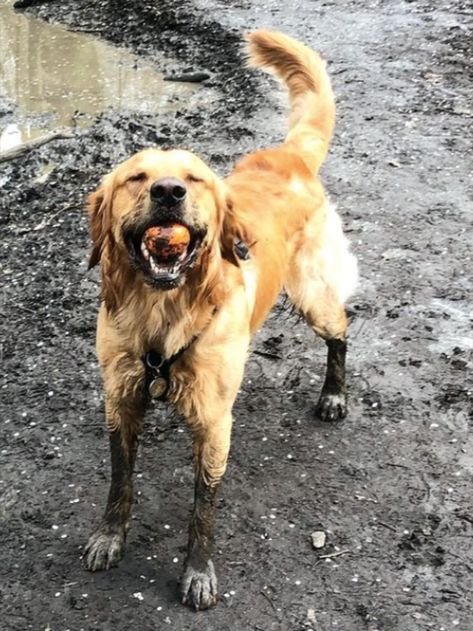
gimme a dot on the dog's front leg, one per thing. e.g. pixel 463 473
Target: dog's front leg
pixel 211 447
pixel 124 409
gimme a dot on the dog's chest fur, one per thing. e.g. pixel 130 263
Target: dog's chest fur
pixel 165 323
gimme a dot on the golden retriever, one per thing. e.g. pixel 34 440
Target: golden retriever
pixel 179 326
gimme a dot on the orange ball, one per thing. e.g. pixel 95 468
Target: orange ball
pixel 167 241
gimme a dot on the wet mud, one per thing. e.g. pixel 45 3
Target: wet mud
pixel 58 78
pixel 390 486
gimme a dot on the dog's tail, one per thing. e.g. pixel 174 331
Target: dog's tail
pixel 310 94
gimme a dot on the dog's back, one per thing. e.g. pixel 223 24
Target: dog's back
pixel 275 193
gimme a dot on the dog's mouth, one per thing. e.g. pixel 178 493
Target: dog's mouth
pixel 164 252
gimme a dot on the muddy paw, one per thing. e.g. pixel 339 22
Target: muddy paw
pixel 103 550
pixel 199 587
pixel 332 407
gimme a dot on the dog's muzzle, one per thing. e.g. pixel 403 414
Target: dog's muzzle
pixel 154 245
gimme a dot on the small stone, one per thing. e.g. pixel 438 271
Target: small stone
pixel 311 618
pixel 318 539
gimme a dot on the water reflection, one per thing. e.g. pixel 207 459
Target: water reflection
pixel 47 70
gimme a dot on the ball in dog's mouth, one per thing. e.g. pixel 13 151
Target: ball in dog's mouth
pixel 166 242
pixel 166 249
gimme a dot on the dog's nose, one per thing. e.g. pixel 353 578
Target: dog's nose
pixel 168 191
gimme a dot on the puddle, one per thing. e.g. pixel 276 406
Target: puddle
pixel 57 78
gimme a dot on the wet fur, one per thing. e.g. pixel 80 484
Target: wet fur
pixel 274 202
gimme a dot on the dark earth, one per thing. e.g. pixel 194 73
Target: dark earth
pixel 391 486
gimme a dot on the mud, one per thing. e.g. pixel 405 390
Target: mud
pixel 391 485
pixel 59 78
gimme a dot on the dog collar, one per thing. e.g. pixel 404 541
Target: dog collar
pixel 158 368
pixel 241 250
pixel 158 371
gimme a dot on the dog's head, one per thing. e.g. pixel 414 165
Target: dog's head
pixel 158 189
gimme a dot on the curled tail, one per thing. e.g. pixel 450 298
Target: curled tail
pixel 311 98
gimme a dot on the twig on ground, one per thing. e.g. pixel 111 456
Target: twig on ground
pixel 268 355
pixel 16 152
pixel 396 464
pixel 268 599
pixel 334 554
pixel 427 485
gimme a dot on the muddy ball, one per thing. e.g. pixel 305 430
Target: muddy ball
pixel 167 241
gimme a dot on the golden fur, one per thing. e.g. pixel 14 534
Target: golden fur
pixel 275 203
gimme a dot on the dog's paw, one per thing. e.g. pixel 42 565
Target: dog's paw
pixel 104 549
pixel 332 406
pixel 199 587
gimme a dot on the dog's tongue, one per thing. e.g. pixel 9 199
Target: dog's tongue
pixel 167 242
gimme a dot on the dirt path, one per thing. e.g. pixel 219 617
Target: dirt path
pixel 391 486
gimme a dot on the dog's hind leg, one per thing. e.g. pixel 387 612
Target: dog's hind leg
pixel 322 276
pixel 332 404
pixel 124 409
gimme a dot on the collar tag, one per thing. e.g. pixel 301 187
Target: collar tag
pixel 158 379
pixel 158 387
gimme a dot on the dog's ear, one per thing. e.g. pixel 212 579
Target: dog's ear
pixel 104 251
pixel 99 211
pixel 229 233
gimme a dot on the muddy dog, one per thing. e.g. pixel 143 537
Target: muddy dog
pixel 191 266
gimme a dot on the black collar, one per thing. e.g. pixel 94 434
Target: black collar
pixel 157 368
pixel 158 371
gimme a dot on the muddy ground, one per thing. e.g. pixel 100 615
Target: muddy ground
pixel 391 485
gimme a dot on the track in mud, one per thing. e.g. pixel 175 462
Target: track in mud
pixel 391 486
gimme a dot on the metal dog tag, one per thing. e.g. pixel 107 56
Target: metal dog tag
pixel 158 387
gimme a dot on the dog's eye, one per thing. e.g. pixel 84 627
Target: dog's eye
pixel 137 177
pixel 193 178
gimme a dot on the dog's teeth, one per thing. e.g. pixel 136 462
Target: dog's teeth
pixel 144 251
